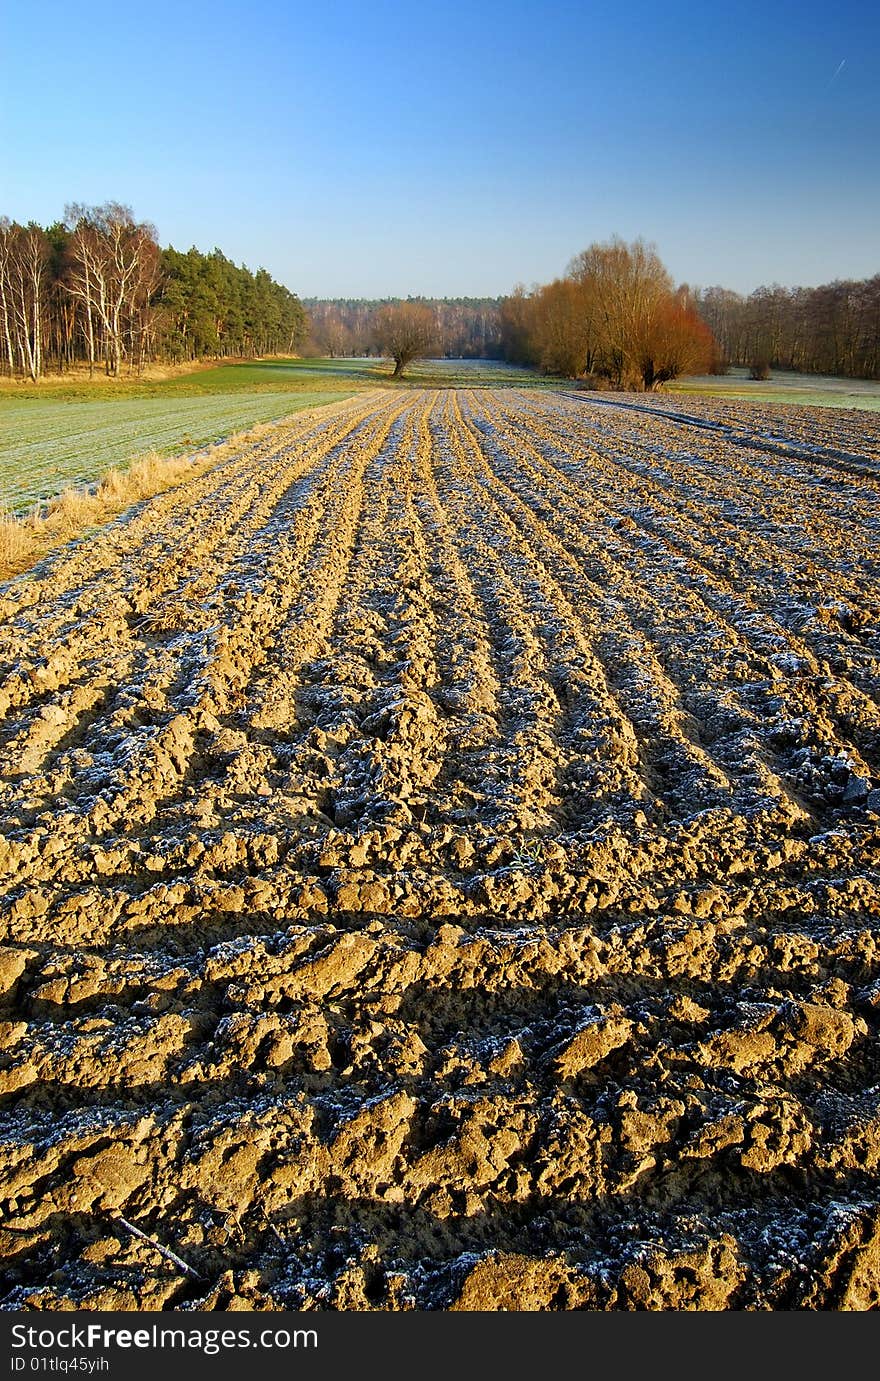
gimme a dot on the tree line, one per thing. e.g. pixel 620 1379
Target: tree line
pixel 96 288
pixel 832 329
pixel 463 327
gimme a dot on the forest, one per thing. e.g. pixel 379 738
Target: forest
pixel 832 329
pixel 465 328
pixel 96 288
pixel 617 318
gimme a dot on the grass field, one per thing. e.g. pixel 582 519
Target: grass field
pixel 811 390
pixel 48 444
pixel 271 376
pixel 464 374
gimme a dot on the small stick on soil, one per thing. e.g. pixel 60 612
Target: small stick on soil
pixel 272 1226
pixel 163 1251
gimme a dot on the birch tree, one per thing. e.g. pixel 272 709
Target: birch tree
pixel 113 274
pixel 6 292
pixel 24 258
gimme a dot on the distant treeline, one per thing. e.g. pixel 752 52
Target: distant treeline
pixel 465 327
pixel 97 288
pixel 834 329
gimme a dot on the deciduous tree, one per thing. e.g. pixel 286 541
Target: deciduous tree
pixel 405 331
pixel 24 260
pixel 614 315
pixel 113 272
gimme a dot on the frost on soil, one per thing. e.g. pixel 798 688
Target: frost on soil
pixel 441 870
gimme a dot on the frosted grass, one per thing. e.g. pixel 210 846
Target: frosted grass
pixel 47 445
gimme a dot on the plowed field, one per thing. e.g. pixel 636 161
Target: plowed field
pixel 441 870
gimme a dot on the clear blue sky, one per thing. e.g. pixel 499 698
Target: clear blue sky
pixel 378 148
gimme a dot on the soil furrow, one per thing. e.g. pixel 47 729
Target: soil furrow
pixel 441 870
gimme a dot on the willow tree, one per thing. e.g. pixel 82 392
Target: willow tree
pixel 405 331
pixel 615 316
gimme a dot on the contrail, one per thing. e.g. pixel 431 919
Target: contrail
pixel 840 68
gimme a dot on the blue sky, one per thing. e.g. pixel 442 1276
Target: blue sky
pixel 386 148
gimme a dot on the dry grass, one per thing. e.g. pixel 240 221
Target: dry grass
pixel 13 541
pixel 27 538
pixel 79 375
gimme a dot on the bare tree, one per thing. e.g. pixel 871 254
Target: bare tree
pixel 405 331
pixel 561 329
pixel 6 239
pixel 676 342
pixel 630 287
pixel 24 258
pixel 112 273
pixel 34 259
pixel 615 315
pixel 82 279
pixel 330 332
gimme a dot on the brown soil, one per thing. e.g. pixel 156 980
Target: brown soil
pixel 441 870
